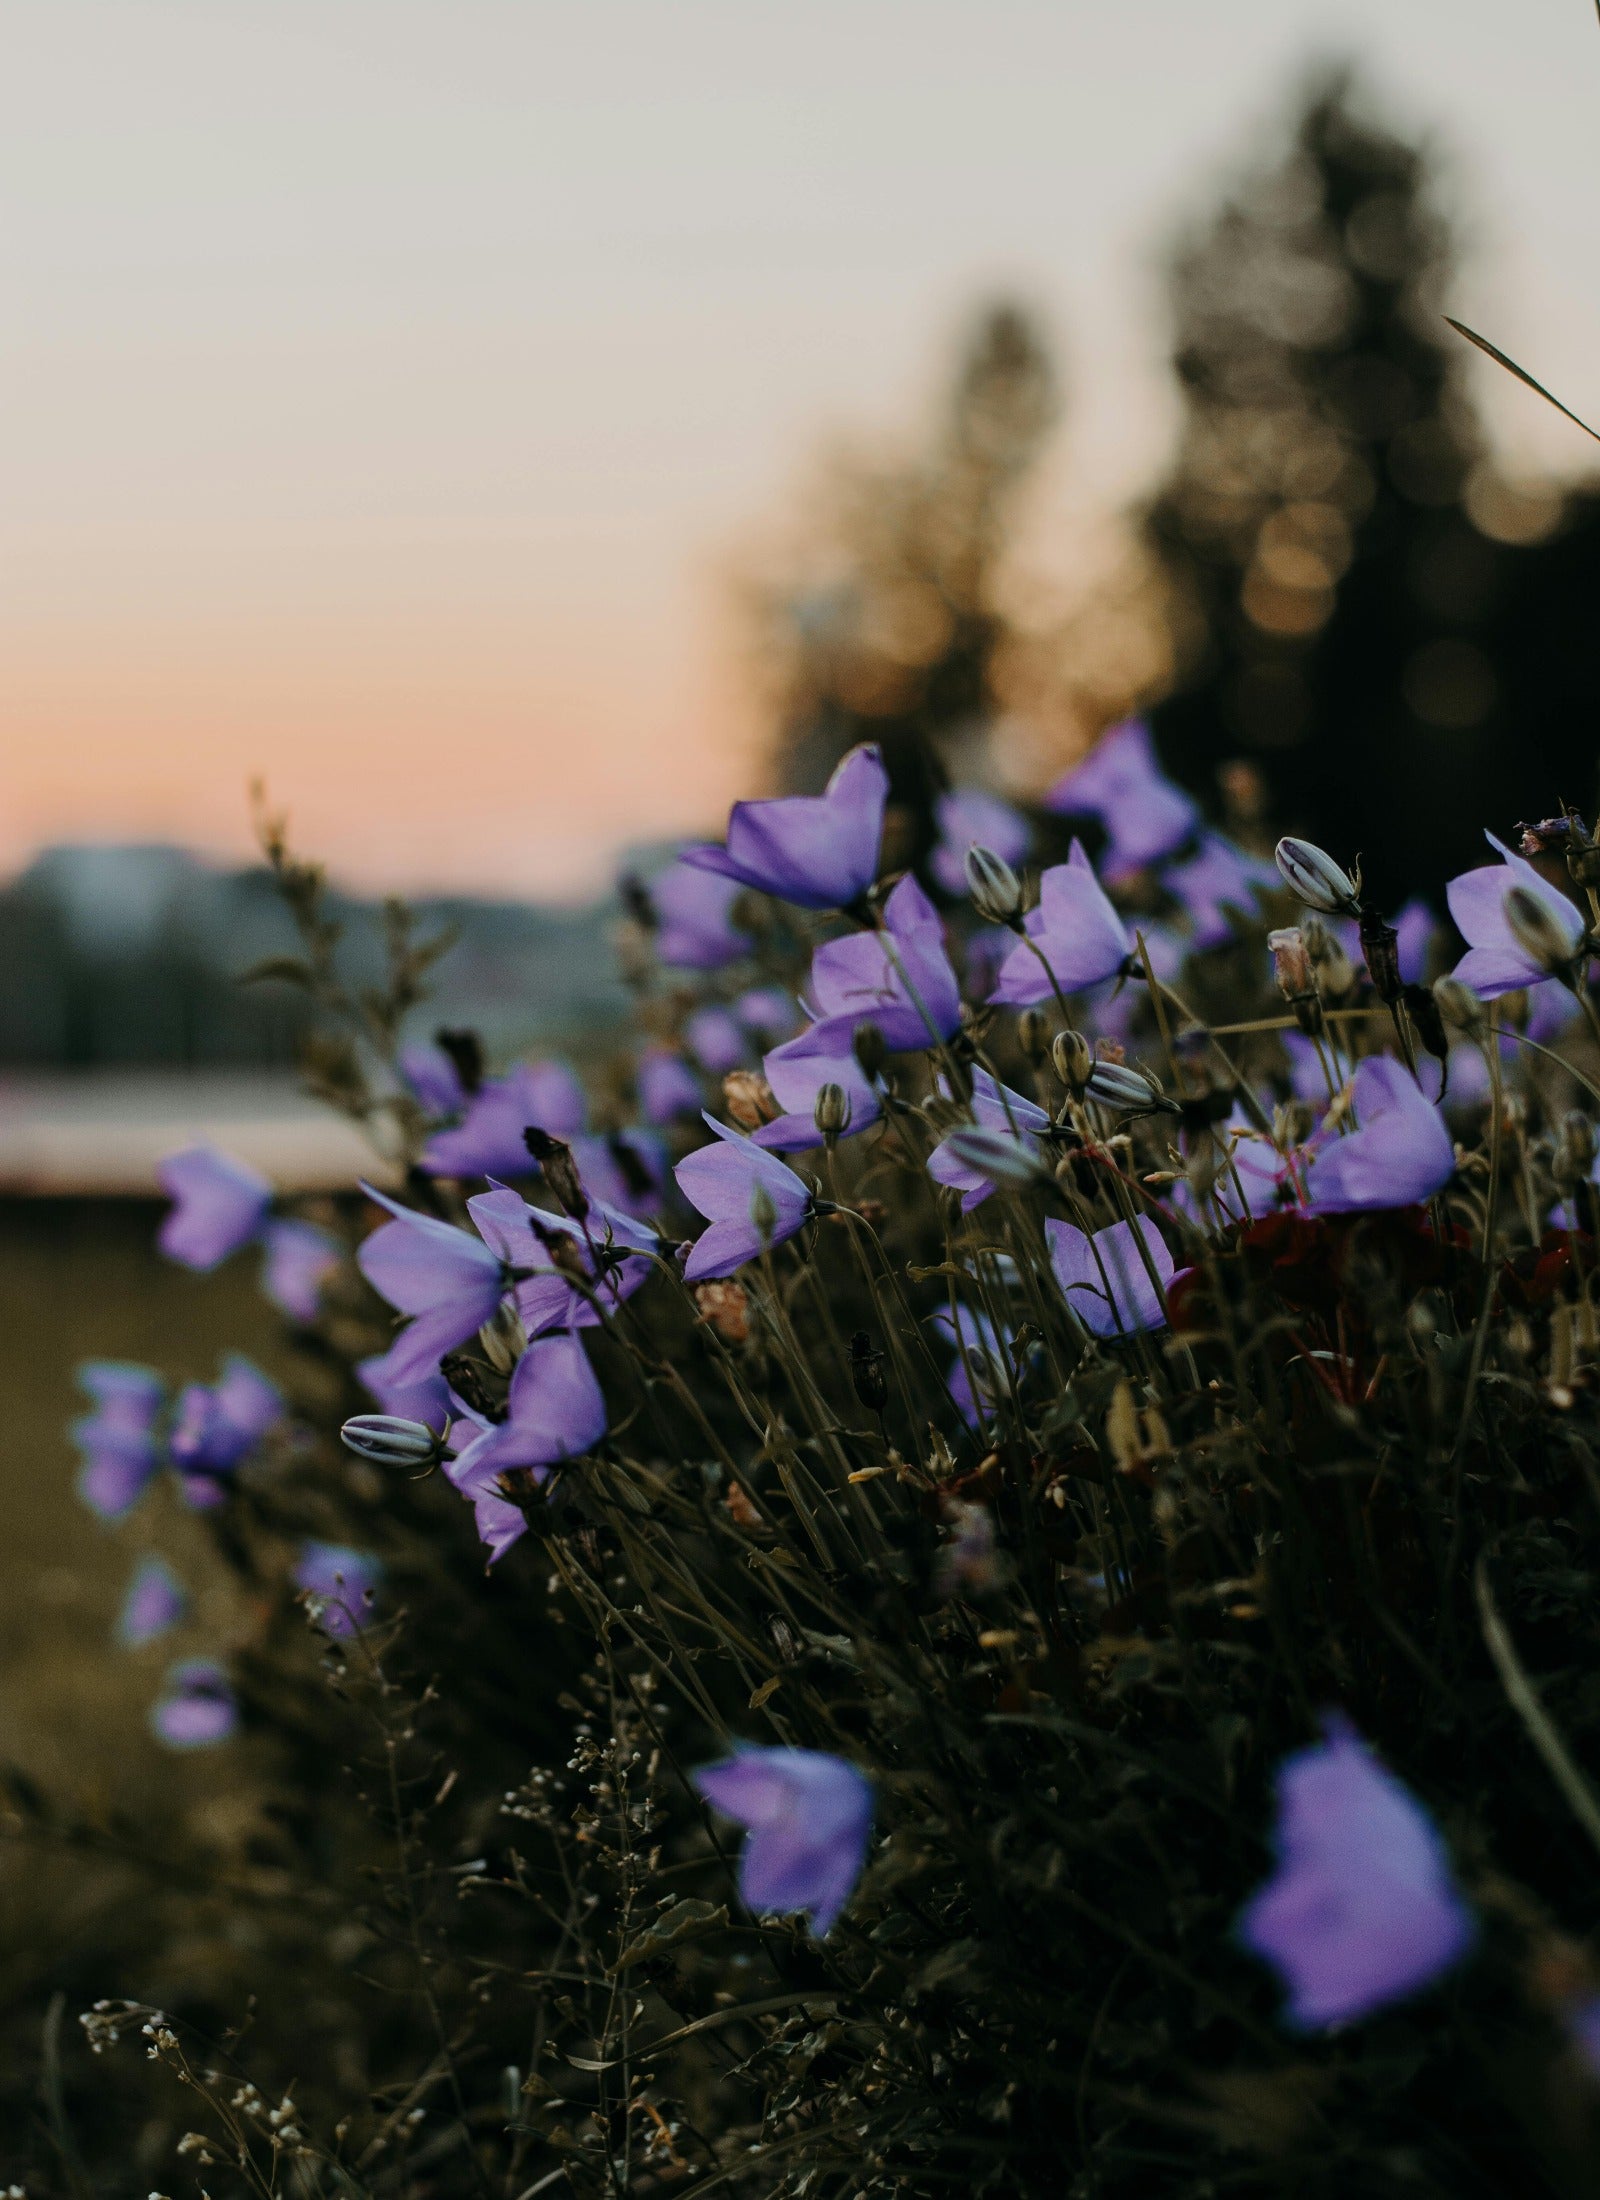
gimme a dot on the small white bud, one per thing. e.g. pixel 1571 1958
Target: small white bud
pixel 1314 878
pixel 388 1440
pixel 995 888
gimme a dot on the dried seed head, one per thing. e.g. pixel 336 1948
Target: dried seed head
pixel 1313 877
pixel 554 1157
pixel 749 1099
pixel 995 888
pixel 725 1308
pixel 1291 964
pixel 866 1372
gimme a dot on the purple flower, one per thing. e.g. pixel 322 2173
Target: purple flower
pixel 668 1087
pixel 117 1442
pixel 299 1260
pixel 807 1816
pixel 434 1079
pixel 716 1040
pixel 218 1205
pixel 1401 1154
pixel 767 1013
pixel 1363 1907
pixel 1213 884
pixel 197 1707
pixel 1120 782
pixel 899 978
pixel 725 1181
pixel 819 851
pixel 449 1280
pixel 1415 924
pixel 217 1425
pixel 997 1108
pixel 154 1603
pixel 1495 961
pixel 488 1140
pixel 1075 929
pixel 798 1070
pixel 969 817
pixel 694 920
pixel 1105 1278
pixel 498 1521
pixel 625 1169
pixel 555 1410
pixel 980 1371
pixel 612 1251
pixel 340 1584
pixel 413 1397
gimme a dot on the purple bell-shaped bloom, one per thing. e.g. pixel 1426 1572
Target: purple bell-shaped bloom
pixel 1216 886
pixel 980 1371
pixel 767 1013
pixel 717 1040
pixel 340 1585
pixel 797 1072
pixel 154 1602
pixel 409 1396
pixel 434 1079
pixel 218 1205
pixel 117 1443
pixel 818 851
pixel 1105 1277
pixel 1415 925
pixel 197 1707
pixel 1402 1154
pixel 694 921
pixel 1120 783
pixel 299 1258
pixel 997 1108
pixel 449 1280
pixel 1363 1908
pixel 899 979
pixel 555 1410
pixel 667 1086
pixel 626 1169
pixel 217 1425
pixel 489 1141
pixel 807 1817
pixel 1496 961
pixel 724 1182
pixel 970 817
pixel 1076 931
pixel 612 1251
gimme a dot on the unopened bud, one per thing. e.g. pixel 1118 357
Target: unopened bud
pixel 763 1212
pixel 554 1157
pixel 1033 1035
pixel 997 1155
pixel 995 888
pixel 389 1440
pixel 1538 931
pixel 749 1099
pixel 866 1044
pixel 1380 950
pixel 1129 1091
pixel 1313 877
pixel 1459 1007
pixel 1073 1059
pixel 830 1110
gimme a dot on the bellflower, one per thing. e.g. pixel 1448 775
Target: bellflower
pixel 807 1817
pixel 299 1260
pixel 767 1013
pixel 217 1425
pixel 219 1204
pixel 434 1079
pixel 625 1169
pixel 488 1140
pixel 980 1371
pixel 1122 785
pixel 717 1041
pixel 694 918
pixel 999 1109
pixel 1363 1908
pixel 818 851
pixel 1402 1153
pixel 667 1086
pixel 969 817
pixel 1495 961
pixel 1415 924
pixel 798 1070
pixel 412 1397
pixel 340 1583
pixel 1075 929
pixel 555 1410
pixel 1213 884
pixel 722 1181
pixel 1104 1277
pixel 611 1251
pixel 197 1707
pixel 900 979
pixel 154 1603
pixel 117 1443
pixel 449 1280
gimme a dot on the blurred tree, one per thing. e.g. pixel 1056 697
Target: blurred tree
pixel 1362 608
pixel 894 640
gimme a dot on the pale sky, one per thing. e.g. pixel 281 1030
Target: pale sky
pixel 388 391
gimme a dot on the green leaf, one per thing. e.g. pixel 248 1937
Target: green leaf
pixel 689 1919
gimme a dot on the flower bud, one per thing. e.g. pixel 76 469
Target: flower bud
pixel 995 888
pixel 388 1440
pixel 1033 1035
pixel 997 1155
pixel 554 1157
pixel 1460 1007
pixel 866 1373
pixel 1314 878
pixel 1536 931
pixel 866 1044
pixel 1130 1091
pixel 749 1099
pixel 830 1110
pixel 763 1212
pixel 1073 1059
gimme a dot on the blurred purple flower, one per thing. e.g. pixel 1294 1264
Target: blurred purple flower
pixel 449 1280
pixel 488 1140
pixel 1416 925
pixel 1363 1907
pixel 722 1181
pixel 997 1108
pixel 341 1584
pixel 117 1442
pixel 667 1086
pixel 716 1040
pixel 694 922
pixel 807 1816
pixel 899 978
pixel 434 1079
pixel 1216 885
pixel 613 1252
pixel 153 1604
pixel 625 1169
pixel 299 1259
pixel 197 1707
pixel 1105 1278
pixel 818 851
pixel 414 1398
pixel 555 1410
pixel 1495 961
pixel 1120 782
pixel 1076 930
pixel 217 1425
pixel 968 817
pixel 980 1371
pixel 218 1205
pixel 798 1070
pixel 1402 1153
pixel 767 1012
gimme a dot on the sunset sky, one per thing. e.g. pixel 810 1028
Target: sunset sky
pixel 389 392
